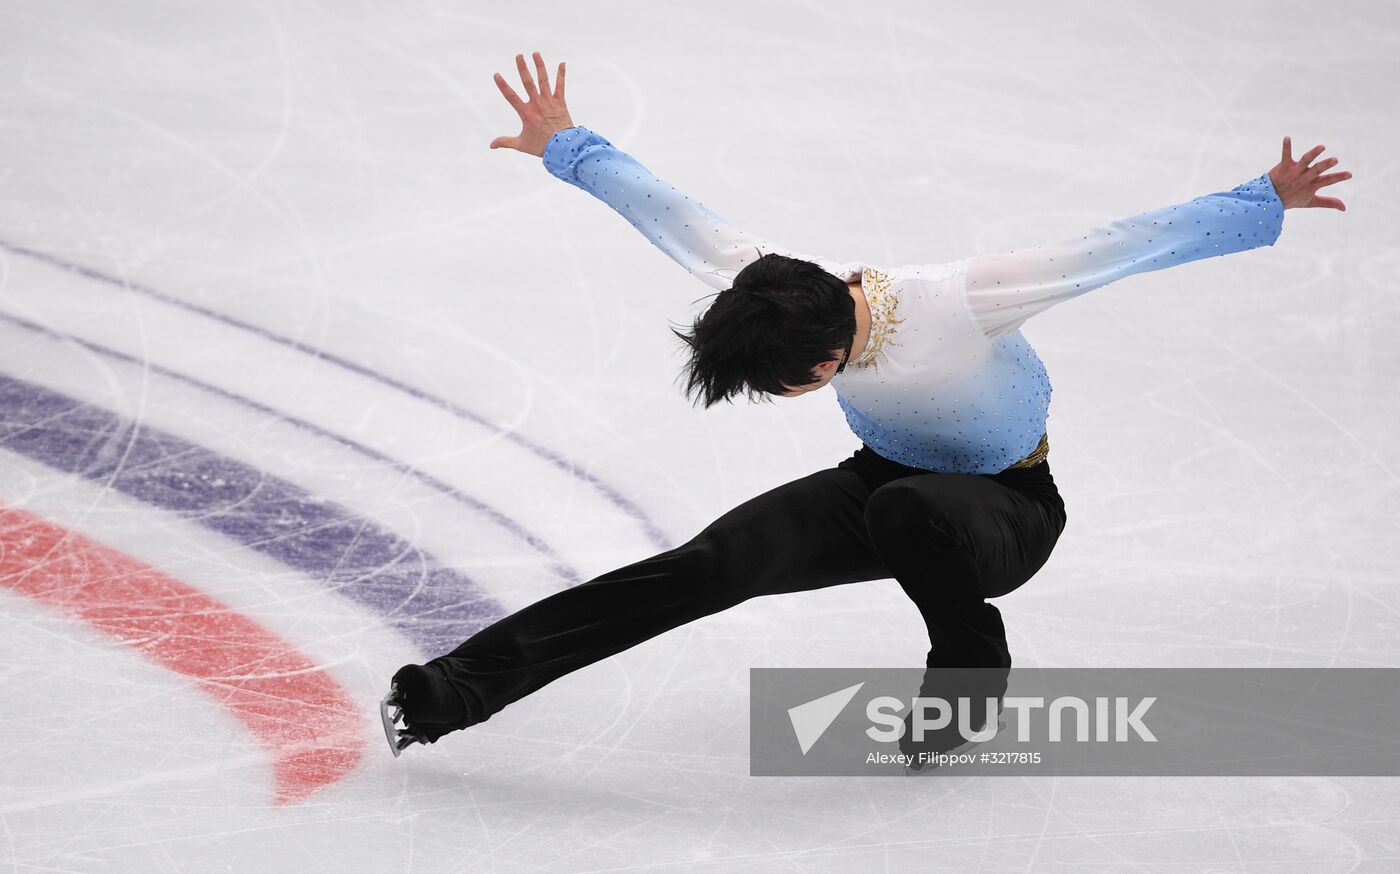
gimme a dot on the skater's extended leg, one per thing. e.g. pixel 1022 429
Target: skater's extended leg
pixel 806 534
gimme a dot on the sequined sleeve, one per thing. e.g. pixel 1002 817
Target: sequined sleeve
pixel 688 232
pixel 1004 291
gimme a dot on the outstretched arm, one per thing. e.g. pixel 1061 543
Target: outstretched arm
pixel 696 238
pixel 1004 291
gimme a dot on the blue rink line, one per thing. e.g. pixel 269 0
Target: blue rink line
pixel 558 567
pixel 649 528
pixel 433 606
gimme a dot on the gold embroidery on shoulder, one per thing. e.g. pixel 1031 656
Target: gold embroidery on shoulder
pixel 884 306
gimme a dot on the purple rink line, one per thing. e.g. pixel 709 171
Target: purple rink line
pixel 433 606
pixel 558 567
pixel 653 533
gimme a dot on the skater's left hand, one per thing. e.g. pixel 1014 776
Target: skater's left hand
pixel 1297 183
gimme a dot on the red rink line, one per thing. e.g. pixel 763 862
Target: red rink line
pixel 301 715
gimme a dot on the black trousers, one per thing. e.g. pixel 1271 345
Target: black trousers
pixel 951 541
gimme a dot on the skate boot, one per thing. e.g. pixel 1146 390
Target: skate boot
pixel 955 685
pixel 427 705
pixel 948 741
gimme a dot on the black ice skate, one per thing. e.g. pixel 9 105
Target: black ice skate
pixel 399 739
pixel 422 699
pixel 975 687
pixel 924 757
pixel 946 742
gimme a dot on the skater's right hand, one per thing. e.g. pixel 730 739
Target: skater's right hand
pixel 1297 183
pixel 544 114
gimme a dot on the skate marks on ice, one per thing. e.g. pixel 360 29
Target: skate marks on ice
pixel 432 605
pixel 306 720
pixel 312 728
pixel 648 527
pixel 507 523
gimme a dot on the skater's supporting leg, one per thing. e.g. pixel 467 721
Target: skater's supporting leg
pixel 954 540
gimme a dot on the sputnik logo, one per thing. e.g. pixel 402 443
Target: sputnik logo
pixel 811 720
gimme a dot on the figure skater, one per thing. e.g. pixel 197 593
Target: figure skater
pixel 950 493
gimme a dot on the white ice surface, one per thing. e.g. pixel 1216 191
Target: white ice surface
pixel 1223 433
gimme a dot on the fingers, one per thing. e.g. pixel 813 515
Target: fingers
pixel 541 73
pixel 531 91
pixel 511 97
pixel 525 77
pixel 1321 165
pixel 1331 179
pixel 1329 203
pixel 1309 155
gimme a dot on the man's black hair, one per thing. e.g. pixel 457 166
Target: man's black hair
pixel 781 318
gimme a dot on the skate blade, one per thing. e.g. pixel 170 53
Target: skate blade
pixel 923 770
pixel 399 739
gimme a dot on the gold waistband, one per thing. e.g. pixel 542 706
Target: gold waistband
pixel 1038 454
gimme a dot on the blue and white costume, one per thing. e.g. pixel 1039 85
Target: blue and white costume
pixel 946 382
